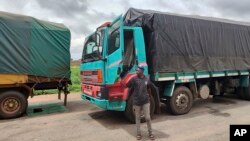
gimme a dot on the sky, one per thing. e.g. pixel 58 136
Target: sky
pixel 83 16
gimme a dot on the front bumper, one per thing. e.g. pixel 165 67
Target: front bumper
pixel 105 104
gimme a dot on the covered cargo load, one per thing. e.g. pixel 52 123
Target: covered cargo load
pixel 177 43
pixel 33 47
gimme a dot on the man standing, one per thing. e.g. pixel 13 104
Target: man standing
pixel 141 100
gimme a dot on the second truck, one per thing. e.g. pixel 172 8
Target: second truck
pixel 34 55
pixel 186 57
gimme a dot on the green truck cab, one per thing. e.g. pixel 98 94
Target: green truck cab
pixel 104 63
pixel 116 49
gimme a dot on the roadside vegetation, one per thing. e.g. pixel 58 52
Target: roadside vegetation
pixel 75 78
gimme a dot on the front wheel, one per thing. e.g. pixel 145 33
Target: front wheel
pixel 129 111
pixel 181 101
pixel 12 104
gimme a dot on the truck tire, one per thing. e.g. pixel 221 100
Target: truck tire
pixel 181 101
pixel 246 93
pixel 129 111
pixel 12 104
pixel 243 93
pixel 240 92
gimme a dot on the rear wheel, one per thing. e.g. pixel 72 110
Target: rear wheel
pixel 245 93
pixel 129 111
pixel 181 101
pixel 12 104
pixel 240 92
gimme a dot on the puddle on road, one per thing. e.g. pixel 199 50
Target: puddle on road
pixel 217 112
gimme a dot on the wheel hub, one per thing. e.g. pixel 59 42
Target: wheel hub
pixel 10 105
pixel 182 101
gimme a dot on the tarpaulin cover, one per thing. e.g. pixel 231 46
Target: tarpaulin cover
pixel 177 43
pixel 33 47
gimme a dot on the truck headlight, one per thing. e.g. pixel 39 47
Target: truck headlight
pixel 99 94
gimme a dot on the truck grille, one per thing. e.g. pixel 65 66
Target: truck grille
pixel 89 76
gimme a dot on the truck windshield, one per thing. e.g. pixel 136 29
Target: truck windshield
pixel 92 52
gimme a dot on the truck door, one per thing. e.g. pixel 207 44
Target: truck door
pixel 114 50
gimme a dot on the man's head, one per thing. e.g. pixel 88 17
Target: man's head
pixel 139 70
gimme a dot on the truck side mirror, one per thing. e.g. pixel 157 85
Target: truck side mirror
pixel 97 39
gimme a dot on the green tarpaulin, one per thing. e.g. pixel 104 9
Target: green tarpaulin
pixel 33 47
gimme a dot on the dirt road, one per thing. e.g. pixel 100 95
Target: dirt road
pixel 208 120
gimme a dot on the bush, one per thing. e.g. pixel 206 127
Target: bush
pixel 75 79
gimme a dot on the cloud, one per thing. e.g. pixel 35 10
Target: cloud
pixel 83 16
pixel 233 9
pixel 66 8
pixel 16 6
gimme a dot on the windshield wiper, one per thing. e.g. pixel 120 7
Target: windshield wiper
pixel 91 57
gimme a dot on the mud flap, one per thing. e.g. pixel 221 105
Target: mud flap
pixel 156 96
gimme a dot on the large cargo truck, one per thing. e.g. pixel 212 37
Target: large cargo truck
pixel 34 55
pixel 186 57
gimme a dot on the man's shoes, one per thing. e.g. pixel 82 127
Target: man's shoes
pixel 151 136
pixel 138 137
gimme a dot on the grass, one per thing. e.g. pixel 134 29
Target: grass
pixel 75 79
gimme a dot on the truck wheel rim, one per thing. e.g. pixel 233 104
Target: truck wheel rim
pixel 182 101
pixel 10 105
